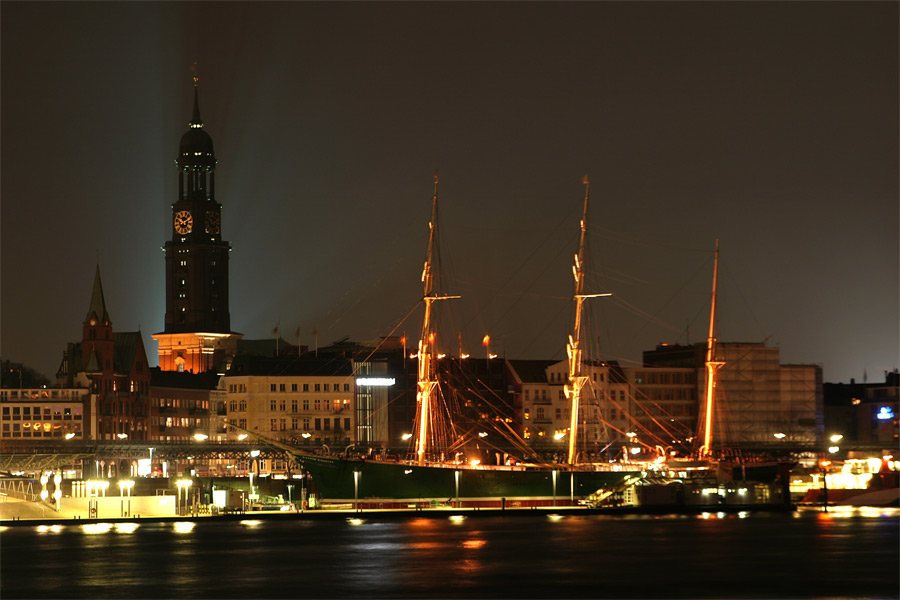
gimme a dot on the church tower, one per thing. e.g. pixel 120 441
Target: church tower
pixel 197 335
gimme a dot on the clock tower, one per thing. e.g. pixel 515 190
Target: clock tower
pixel 197 335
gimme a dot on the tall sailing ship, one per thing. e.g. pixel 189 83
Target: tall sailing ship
pixel 436 474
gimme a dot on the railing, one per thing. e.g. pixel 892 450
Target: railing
pixel 23 489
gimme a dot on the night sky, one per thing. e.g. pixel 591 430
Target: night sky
pixel 771 126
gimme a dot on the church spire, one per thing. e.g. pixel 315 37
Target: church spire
pixel 196 122
pixel 98 303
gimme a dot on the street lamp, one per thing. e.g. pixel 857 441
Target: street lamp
pixel 125 485
pixel 200 437
pixel 57 492
pixel 183 485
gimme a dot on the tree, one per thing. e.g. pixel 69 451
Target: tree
pixel 17 375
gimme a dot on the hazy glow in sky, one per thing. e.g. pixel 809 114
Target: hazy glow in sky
pixel 771 126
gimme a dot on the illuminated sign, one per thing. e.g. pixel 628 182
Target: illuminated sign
pixel 885 413
pixel 375 381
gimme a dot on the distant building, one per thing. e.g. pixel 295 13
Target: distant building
pixel 664 405
pixel 113 367
pixel 181 405
pixel 306 401
pixel 623 410
pixel 864 413
pixel 756 396
pixel 197 335
pixel 45 414
pixel 878 416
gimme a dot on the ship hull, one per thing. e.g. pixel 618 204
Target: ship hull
pixel 337 480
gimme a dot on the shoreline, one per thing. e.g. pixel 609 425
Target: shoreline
pixel 386 514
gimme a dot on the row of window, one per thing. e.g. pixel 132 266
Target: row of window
pixel 41 393
pixel 179 403
pixel 539 413
pixel 241 388
pixel 47 412
pixel 542 432
pixel 179 422
pixel 318 424
pixel 561 377
pixel 541 394
pixel 336 405
pixel 317 387
pixel 101 386
pixel 39 429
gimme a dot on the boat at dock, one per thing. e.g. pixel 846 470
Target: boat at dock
pixel 434 473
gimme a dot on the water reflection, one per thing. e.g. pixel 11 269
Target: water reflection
pixel 95 528
pixel 49 528
pixel 251 523
pixel 846 553
pixel 183 526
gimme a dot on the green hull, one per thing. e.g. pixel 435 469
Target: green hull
pixel 339 480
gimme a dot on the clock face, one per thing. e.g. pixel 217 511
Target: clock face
pixel 212 222
pixel 184 222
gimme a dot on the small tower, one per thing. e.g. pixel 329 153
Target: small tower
pixel 114 366
pixel 97 343
pixel 197 334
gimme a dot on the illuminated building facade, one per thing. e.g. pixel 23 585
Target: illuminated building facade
pixel 44 414
pixel 181 405
pixel 304 401
pixel 197 335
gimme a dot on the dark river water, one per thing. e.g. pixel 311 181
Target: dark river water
pixel 808 554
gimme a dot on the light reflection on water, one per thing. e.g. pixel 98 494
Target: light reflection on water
pixel 183 526
pixel 841 553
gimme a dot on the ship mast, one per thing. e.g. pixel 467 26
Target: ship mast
pixel 712 365
pixel 426 382
pixel 576 379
